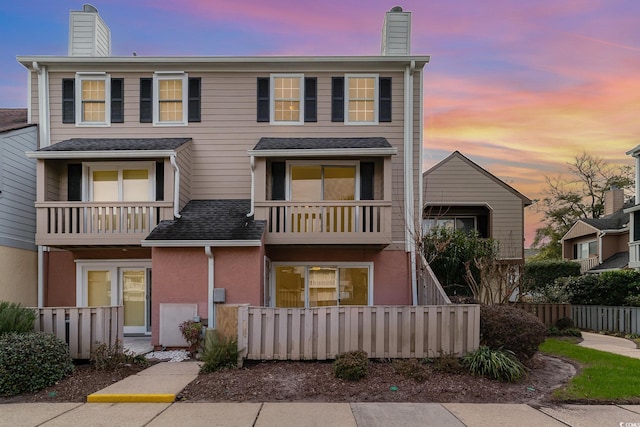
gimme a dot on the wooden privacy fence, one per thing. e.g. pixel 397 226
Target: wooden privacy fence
pixel 382 331
pixel 547 313
pixel 83 328
pixel 607 318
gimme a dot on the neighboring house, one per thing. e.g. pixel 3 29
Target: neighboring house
pixel 600 244
pixel 461 195
pixel 167 182
pixel 18 252
pixel 634 215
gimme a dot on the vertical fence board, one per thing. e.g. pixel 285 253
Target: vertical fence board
pixel 322 334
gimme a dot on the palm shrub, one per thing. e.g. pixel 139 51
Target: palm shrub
pixel 31 361
pixel 219 353
pixel 15 318
pixel 500 365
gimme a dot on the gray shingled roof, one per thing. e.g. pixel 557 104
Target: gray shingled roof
pixel 211 220
pixel 13 119
pixel 116 144
pixel 267 143
pixel 615 221
pixel 617 261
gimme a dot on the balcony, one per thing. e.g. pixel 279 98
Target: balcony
pixel 66 224
pixel 587 264
pixel 634 254
pixel 329 222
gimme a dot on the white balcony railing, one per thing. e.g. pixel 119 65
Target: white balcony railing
pixel 98 223
pixel 340 222
pixel 634 254
pixel 587 264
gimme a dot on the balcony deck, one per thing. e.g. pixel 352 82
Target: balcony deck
pixel 328 222
pixel 98 223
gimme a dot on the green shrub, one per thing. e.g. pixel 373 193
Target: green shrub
pixel 32 361
pixel 500 365
pixel 616 288
pixel 411 368
pixel 565 323
pixel 540 274
pixel 511 328
pixel 108 357
pixel 219 353
pixel 15 318
pixel 352 365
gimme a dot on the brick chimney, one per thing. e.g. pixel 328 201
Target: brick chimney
pixel 396 33
pixel 613 200
pixel 88 34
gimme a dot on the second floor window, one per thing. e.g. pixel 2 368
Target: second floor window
pixel 361 99
pixel 459 223
pixel 125 183
pixel 93 99
pixel 287 94
pixel 170 91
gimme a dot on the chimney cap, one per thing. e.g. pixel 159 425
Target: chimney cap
pixel 89 8
pixel 396 9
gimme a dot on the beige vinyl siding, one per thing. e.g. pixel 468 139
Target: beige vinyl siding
pixel 183 160
pixel 219 163
pixel 457 182
pixel 579 229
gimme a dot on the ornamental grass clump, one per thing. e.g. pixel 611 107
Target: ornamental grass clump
pixel 352 365
pixel 219 353
pixel 500 365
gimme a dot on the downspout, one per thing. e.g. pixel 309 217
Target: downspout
pixel 43 104
pixel 253 186
pixel 40 276
pixel 409 201
pixel 211 314
pixel 176 187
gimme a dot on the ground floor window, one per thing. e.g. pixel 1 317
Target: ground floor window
pixel 322 284
pixel 117 282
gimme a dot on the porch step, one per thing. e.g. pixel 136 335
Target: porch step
pixel 158 384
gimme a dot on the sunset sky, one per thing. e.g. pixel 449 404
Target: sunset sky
pixel 518 86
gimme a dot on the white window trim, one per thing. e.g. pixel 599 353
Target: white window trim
pixel 170 75
pixel 291 163
pixel 80 77
pixel 89 167
pixel 114 266
pixel 275 265
pixel 272 100
pixel 376 97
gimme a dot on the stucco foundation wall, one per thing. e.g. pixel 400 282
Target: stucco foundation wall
pixel 19 276
pixel 180 275
pixel 391 269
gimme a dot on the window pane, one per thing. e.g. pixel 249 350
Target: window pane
pixel 322 286
pixel 170 90
pixel 286 93
pixel 361 111
pixel 466 225
pixel 93 101
pixel 339 183
pixel 134 291
pixel 105 186
pixel 361 99
pixel 170 111
pixel 290 286
pixel 170 100
pixel 447 223
pixel 135 185
pixel 98 288
pixel 593 248
pixel 93 90
pixel 306 183
pixel 354 286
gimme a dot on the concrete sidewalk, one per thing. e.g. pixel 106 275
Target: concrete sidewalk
pixel 315 414
pixel 621 346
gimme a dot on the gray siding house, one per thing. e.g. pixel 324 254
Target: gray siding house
pixel 18 254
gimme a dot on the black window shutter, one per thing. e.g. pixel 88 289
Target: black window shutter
pixel 278 176
pixel 117 100
pixel 194 99
pixel 384 102
pixel 68 101
pixel 159 181
pixel 146 100
pixel 74 182
pixel 310 99
pixel 263 99
pixel 366 180
pixel 337 99
pixel 575 251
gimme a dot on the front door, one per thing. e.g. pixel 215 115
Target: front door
pixel 111 283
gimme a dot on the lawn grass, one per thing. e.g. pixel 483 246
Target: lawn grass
pixel 604 376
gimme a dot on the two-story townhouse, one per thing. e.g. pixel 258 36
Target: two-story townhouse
pixel 18 252
pixel 284 181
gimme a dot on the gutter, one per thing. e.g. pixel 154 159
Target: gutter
pixel 176 187
pixel 44 125
pixel 409 202
pixel 252 161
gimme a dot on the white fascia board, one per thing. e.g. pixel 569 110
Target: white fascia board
pixel 615 231
pixel 200 243
pixel 632 209
pixel 324 152
pixel 121 154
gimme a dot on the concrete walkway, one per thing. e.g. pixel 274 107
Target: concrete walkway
pixel 621 346
pixel 314 414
